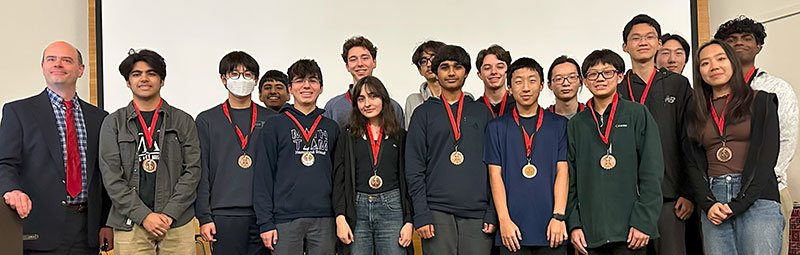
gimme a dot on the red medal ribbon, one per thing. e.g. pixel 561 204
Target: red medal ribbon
pixel 453 123
pixel 529 138
pixel 749 75
pixel 242 138
pixel 502 104
pixel 347 95
pixel 646 88
pixel 306 135
pixel 610 118
pixel 148 131
pixel 719 120
pixel 376 145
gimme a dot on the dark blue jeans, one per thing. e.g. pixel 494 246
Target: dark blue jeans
pixel 378 224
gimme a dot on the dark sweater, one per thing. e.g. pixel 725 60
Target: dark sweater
pixel 225 188
pixel 758 176
pixel 434 183
pixel 283 188
pixel 510 103
pixel 667 100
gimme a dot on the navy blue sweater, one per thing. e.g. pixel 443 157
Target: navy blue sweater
pixel 283 188
pixel 434 183
pixel 225 188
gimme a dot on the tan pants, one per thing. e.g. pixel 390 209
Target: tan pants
pixel 786 209
pixel 138 241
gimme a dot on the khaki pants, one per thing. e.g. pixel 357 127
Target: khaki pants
pixel 786 209
pixel 179 240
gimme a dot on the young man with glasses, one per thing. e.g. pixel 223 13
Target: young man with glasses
pixel 667 96
pixel 615 166
pixel 564 79
pixel 224 205
pixel 492 64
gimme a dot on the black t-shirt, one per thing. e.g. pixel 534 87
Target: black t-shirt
pixel 387 165
pixel 147 181
pixel 242 118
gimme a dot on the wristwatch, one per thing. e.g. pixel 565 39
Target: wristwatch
pixel 559 216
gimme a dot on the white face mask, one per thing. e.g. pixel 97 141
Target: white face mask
pixel 241 87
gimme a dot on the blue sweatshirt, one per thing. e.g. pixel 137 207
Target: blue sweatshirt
pixel 283 188
pixel 434 183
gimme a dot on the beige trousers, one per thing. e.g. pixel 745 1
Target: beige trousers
pixel 179 240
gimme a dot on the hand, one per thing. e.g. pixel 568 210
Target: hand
pixel 343 230
pixel 556 232
pixel 488 228
pixel 155 225
pixel 579 241
pixel 106 238
pixel 207 231
pixel 510 235
pixel 19 201
pixel 270 238
pixel 166 219
pixel 637 239
pixel 405 235
pixel 717 213
pixel 425 232
pixel 683 208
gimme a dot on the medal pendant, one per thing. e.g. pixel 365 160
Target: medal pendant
pixel 375 182
pixel 724 154
pixel 245 161
pixel 529 171
pixel 307 158
pixel 149 165
pixel 608 162
pixel 456 158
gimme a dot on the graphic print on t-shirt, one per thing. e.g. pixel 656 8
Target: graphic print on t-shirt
pixel 142 151
pixel 317 145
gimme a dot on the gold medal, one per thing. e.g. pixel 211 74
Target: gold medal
pixel 307 159
pixel 149 165
pixel 245 161
pixel 456 158
pixel 529 171
pixel 608 162
pixel 724 154
pixel 375 182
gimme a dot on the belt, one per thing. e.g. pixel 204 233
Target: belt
pixel 76 207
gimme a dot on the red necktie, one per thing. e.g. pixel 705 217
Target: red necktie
pixel 74 180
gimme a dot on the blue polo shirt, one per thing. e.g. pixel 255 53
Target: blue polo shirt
pixel 530 201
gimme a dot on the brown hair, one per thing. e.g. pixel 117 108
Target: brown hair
pixel 358 41
pixel 358 122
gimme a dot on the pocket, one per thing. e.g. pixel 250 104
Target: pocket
pixel 127 150
pixel 394 205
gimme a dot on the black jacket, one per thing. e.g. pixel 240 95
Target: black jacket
pixel 758 176
pixel 344 185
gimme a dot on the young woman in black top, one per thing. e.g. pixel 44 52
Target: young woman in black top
pixel 373 209
pixel 733 150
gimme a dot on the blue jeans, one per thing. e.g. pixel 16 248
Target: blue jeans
pixel 755 231
pixel 378 224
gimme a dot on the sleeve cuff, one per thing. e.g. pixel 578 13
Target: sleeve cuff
pixel 422 219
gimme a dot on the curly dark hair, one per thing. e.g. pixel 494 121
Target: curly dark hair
pixel 741 24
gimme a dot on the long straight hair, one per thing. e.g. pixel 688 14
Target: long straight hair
pixel 387 119
pixel 741 94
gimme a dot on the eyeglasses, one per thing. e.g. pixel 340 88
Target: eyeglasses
pixel 572 78
pixel 607 74
pixel 247 75
pixel 424 61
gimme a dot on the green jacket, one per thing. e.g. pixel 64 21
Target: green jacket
pixel 606 203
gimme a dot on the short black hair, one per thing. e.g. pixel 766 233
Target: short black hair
pixel 640 19
pixel 604 56
pixel 428 46
pixel 358 41
pixel 497 51
pixel 235 58
pixel 150 57
pixel 560 60
pixel 304 68
pixel 524 62
pixel 741 24
pixel 450 53
pixel 685 45
pixel 274 75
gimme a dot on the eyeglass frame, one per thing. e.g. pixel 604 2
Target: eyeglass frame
pixel 603 73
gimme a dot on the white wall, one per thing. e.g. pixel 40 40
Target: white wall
pixel 27 28
pixel 779 55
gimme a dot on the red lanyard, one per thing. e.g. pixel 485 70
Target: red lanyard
pixel 749 75
pixel 306 135
pixel 719 120
pixel 242 137
pixel 347 95
pixel 502 104
pixel 610 118
pixel 646 88
pixel 375 144
pixel 453 123
pixel 529 138
pixel 148 131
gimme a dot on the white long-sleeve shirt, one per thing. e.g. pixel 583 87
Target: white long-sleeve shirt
pixel 787 117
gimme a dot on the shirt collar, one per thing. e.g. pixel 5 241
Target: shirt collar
pixel 57 100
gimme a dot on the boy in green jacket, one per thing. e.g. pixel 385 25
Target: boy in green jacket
pixel 615 166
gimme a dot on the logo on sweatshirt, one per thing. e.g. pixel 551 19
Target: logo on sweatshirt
pixel 317 145
pixel 669 99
